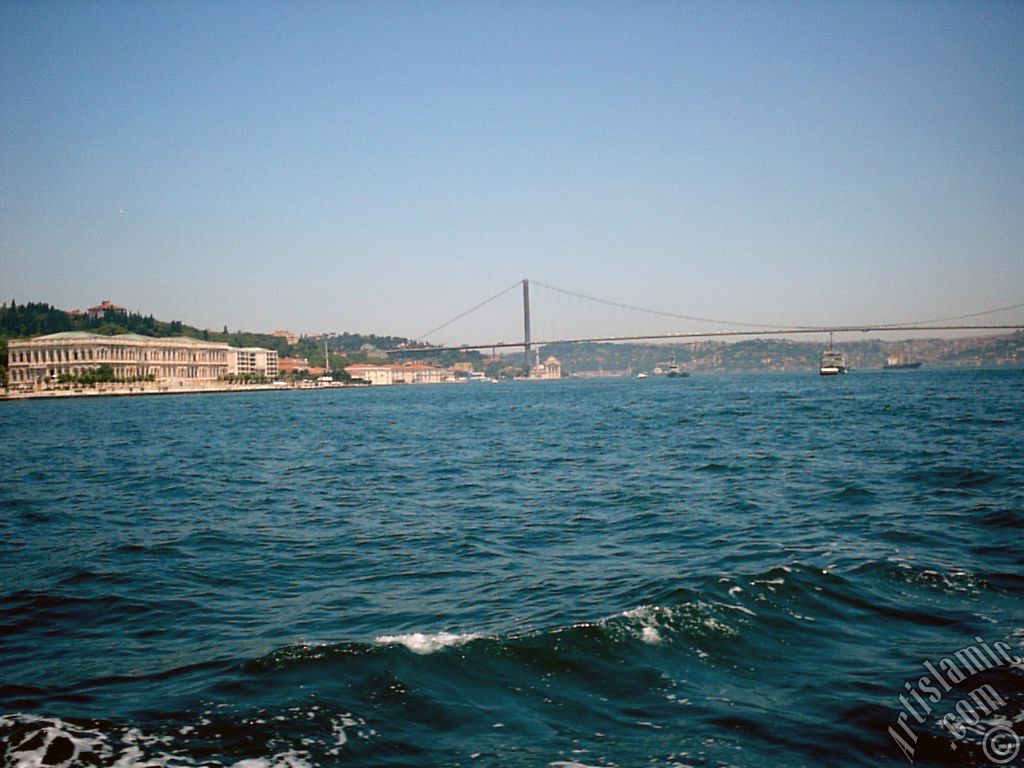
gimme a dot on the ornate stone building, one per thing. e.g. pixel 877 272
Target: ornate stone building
pixel 38 363
pixel 549 369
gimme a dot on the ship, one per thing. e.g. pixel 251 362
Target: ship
pixel 899 362
pixel 675 371
pixel 833 362
pixel 671 370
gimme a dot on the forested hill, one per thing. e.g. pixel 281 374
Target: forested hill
pixel 36 318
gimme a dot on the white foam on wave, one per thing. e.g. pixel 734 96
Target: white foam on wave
pixel 650 635
pixel 289 759
pixel 422 643
pixel 718 626
pixel 338 727
pixel 647 616
pixel 740 608
pixel 30 751
pixel 32 741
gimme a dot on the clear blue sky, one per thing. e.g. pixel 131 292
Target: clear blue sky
pixel 379 167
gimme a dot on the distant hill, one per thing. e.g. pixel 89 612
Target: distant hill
pixel 786 355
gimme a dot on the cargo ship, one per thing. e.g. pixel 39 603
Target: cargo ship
pixel 899 362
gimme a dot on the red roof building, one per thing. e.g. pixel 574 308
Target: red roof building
pixel 101 309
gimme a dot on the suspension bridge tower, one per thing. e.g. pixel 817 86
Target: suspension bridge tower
pixel 526 327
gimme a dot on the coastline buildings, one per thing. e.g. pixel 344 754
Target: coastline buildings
pixel 38 363
pixel 73 360
pixel 252 361
pixel 296 365
pixel 293 365
pixel 409 373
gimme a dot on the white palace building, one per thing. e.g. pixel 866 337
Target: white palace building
pixel 38 363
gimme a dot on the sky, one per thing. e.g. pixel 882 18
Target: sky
pixel 382 167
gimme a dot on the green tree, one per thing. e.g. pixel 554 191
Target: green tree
pixel 105 372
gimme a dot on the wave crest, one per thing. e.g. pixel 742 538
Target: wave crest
pixel 422 643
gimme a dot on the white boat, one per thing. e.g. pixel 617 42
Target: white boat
pixel 478 377
pixel 833 362
pixel 642 375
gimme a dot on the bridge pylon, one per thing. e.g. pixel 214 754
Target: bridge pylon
pixel 526 327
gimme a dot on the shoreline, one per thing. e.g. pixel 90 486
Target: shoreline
pixel 139 391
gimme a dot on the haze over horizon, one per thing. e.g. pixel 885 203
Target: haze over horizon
pixel 381 168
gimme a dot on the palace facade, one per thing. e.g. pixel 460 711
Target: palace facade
pixel 38 363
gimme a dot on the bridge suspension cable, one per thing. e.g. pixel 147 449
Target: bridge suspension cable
pixel 660 312
pixel 963 317
pixel 736 323
pixel 470 311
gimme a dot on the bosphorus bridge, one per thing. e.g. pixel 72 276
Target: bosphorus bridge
pixel 734 329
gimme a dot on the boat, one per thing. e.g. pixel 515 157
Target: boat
pixel 671 370
pixel 833 362
pixel 477 377
pixel 675 371
pixel 899 362
pixel 642 375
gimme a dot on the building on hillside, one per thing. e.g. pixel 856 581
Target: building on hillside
pixel 288 336
pixel 101 309
pixel 408 373
pixel 549 369
pixel 293 365
pixel 38 363
pixel 252 361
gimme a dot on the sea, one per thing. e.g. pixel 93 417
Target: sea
pixel 734 570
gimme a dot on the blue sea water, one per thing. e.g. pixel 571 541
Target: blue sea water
pixel 721 571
